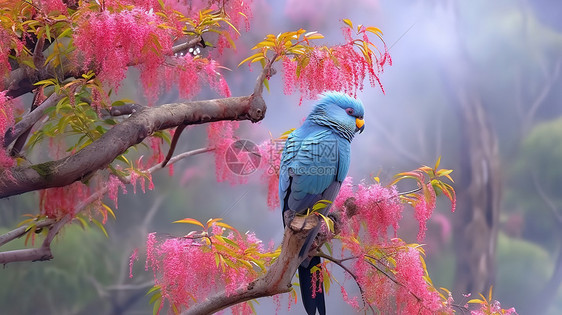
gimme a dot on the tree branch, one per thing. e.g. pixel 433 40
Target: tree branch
pixel 186 45
pixel 124 135
pixel 339 262
pixel 267 72
pixel 20 231
pixel 278 277
pixel 126 109
pixel 36 254
pixel 33 253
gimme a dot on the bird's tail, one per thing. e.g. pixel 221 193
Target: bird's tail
pixel 311 304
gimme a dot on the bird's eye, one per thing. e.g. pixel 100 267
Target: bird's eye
pixel 349 111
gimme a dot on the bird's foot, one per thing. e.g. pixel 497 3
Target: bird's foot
pixel 288 216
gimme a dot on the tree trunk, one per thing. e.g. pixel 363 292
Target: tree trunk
pixel 479 190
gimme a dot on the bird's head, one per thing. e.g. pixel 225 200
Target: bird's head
pixel 339 110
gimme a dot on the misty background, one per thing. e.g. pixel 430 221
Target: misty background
pixel 476 82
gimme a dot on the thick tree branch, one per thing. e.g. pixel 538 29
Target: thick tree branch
pixel 278 278
pixel 21 80
pixel 126 109
pixel 124 135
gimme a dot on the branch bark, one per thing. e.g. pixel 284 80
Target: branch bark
pixel 124 135
pixel 278 278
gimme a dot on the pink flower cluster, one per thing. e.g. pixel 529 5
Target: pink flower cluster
pixel 141 176
pixel 375 205
pixel 5 68
pixel 221 136
pixel 270 160
pixel 494 307
pixel 112 41
pixel 378 288
pixel 113 185
pixel 60 201
pixel 189 72
pixel 338 68
pixel 415 296
pixel 181 265
pixel 423 210
pixel 51 6
pixel 371 210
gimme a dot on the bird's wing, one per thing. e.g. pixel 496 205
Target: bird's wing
pixel 310 164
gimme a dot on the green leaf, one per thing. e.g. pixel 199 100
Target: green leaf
pixel 155 297
pixel 108 209
pixel 48 31
pixel 102 228
pixel 82 222
pixel 329 248
pixel 154 288
pixel 190 221
pixel 328 221
pixel 45 82
pixel 266 84
pixel 437 163
pixel 250 58
pixel 65 33
pixel 156 307
pixel 321 204
pixel 28 62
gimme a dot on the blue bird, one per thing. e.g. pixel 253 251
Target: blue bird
pixel 314 163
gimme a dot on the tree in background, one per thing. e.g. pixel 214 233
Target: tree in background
pixel 74 55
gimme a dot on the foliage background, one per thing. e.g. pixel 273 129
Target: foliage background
pixel 515 49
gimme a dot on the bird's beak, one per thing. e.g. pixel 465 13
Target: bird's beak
pixel 360 124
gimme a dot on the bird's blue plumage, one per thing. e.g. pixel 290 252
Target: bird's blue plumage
pixel 314 163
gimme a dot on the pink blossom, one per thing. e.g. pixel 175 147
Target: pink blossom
pixel 113 185
pixel 346 192
pixel 180 265
pixel 157 155
pixel 378 288
pixel 60 201
pixel 221 136
pixel 351 301
pixel 338 68
pixel 138 174
pixel 131 35
pixel 380 208
pixel 270 151
pixel 6 39
pixel 415 296
pixel 49 6
pixel 423 210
